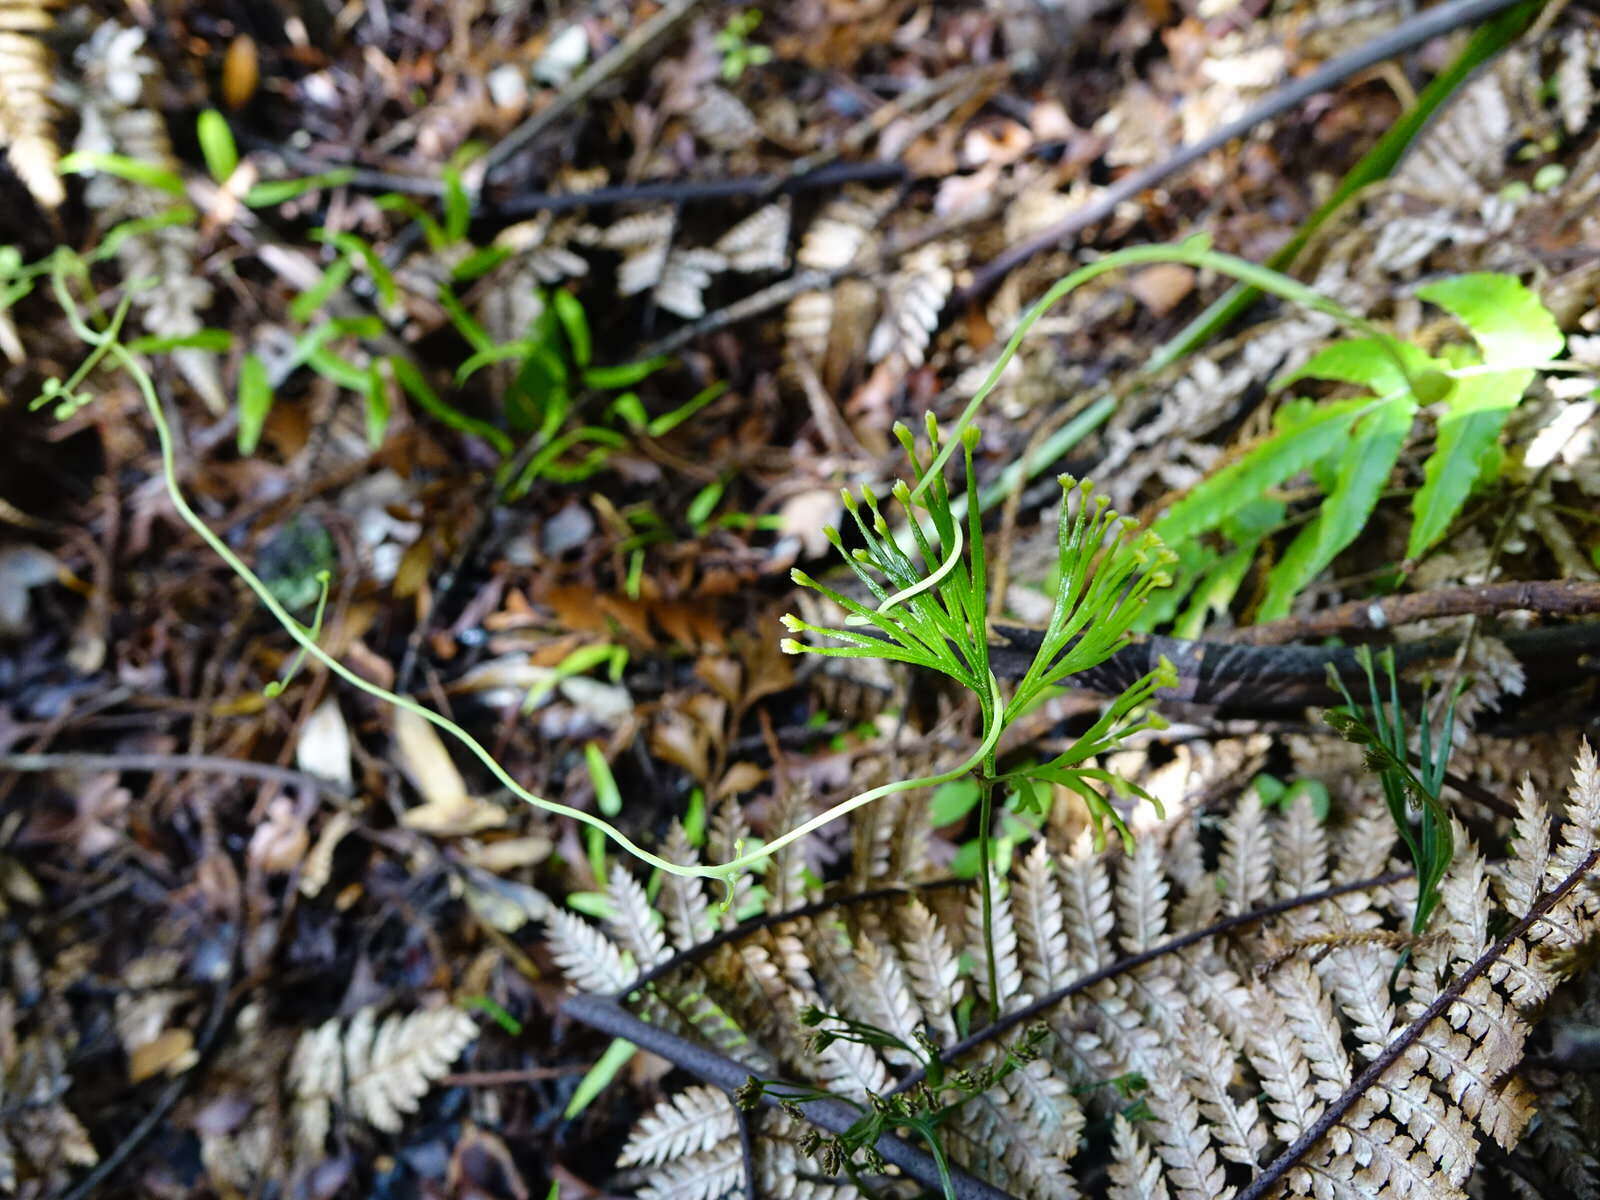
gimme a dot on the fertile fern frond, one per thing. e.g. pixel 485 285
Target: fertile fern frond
pixel 1296 1039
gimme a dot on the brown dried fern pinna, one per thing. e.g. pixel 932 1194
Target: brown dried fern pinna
pixel 1235 1010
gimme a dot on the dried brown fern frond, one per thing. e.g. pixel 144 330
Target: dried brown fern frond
pixel 378 1072
pixel 1293 1038
pixel 27 113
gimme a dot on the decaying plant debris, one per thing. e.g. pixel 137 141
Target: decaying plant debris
pixel 523 354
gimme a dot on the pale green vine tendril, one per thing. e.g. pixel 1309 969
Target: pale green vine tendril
pixel 1196 252
pixel 275 689
pixel 299 633
pixel 106 345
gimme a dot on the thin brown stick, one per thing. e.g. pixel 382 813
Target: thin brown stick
pixel 1547 597
pixel 213 764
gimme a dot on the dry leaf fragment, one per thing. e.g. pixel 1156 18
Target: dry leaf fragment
pixel 446 809
pixel 172 1052
pixel 279 843
pixel 1160 288
pixel 22 568
pixel 509 853
pixel 319 863
pixel 241 71
pixel 323 749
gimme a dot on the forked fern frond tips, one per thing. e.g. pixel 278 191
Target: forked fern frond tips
pixel 933 609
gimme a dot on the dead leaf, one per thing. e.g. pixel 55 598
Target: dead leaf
pixel 509 853
pixel 323 749
pixel 805 515
pixel 447 810
pixel 740 778
pixel 680 741
pixel 241 71
pixel 279 843
pixel 319 863
pixel 1160 288
pixel 22 568
pixel 171 1052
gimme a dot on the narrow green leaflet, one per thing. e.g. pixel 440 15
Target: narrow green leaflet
pixel 410 379
pixel 255 402
pixel 280 191
pixel 573 320
pixel 216 144
pixel 1286 453
pixel 1511 326
pixel 1364 468
pixel 376 408
pixel 134 170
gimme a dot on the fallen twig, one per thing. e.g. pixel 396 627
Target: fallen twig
pixel 1547 597
pixel 214 764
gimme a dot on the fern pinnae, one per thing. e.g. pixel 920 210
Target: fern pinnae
pixel 1246 865
pixel 705 1175
pixel 1086 894
pixel 1002 990
pixel 587 957
pixel 388 1067
pixel 1357 975
pixel 1208 1068
pixel 1465 890
pixel 1183 1141
pixel 1281 1064
pixel 1521 876
pixel 1200 903
pixel 1558 902
pixel 1141 897
pixel 1310 1015
pixel 932 969
pixel 1041 928
pixel 851 1069
pixel 633 921
pixel 1581 831
pixel 1300 851
pixel 883 998
pixel 1135 1174
pixel 695 1119
pixel 688 912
